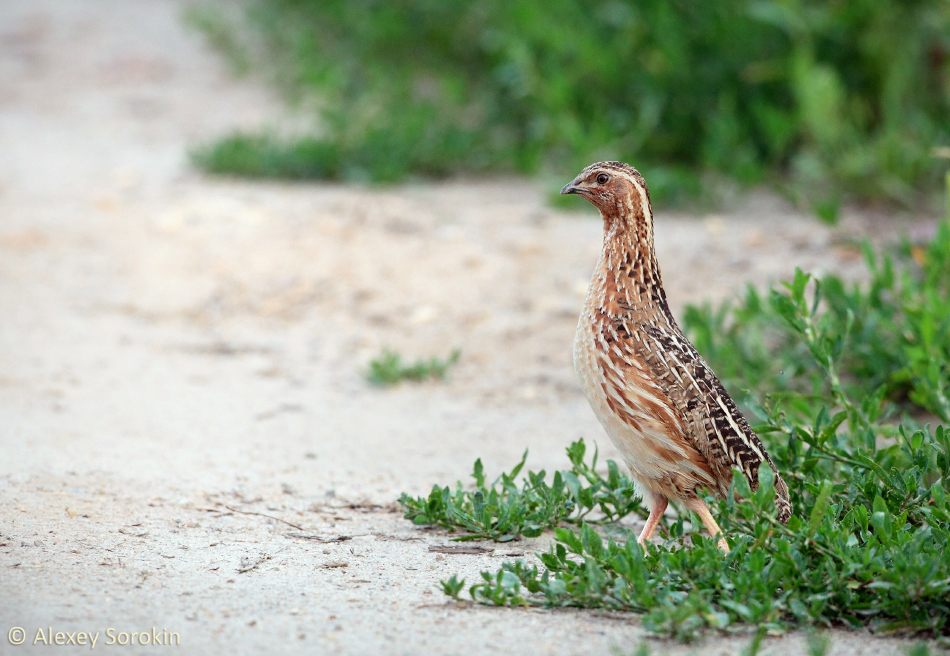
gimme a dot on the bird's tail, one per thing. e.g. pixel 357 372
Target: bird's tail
pixel 782 502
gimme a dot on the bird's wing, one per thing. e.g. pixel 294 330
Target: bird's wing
pixel 711 420
pixel 660 451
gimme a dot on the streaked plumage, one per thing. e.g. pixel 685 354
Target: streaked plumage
pixel 662 406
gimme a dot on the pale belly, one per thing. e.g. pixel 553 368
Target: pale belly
pixel 653 455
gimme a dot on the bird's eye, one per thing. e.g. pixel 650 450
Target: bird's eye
pixel 603 178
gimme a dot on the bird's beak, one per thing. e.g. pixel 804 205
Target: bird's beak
pixel 573 187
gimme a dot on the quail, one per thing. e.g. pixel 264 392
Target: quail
pixel 660 403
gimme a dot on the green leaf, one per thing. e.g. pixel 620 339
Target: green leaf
pixel 939 494
pixel 591 541
pixel 818 510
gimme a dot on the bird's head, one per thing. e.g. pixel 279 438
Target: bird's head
pixel 618 191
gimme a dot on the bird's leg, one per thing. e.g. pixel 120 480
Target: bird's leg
pixel 699 507
pixel 658 505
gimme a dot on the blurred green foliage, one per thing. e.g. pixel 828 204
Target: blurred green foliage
pixel 388 369
pixel 845 97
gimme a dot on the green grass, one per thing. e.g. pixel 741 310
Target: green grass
pixel 889 336
pixel 505 511
pixel 848 387
pixel 833 100
pixel 264 156
pixel 388 368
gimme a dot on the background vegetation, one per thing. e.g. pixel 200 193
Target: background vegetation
pixel 834 98
pixel 845 382
pixel 389 369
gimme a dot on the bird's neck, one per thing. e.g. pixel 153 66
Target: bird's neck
pixel 628 265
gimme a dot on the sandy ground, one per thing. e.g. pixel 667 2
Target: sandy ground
pixel 174 346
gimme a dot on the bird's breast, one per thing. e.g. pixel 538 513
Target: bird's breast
pixel 633 409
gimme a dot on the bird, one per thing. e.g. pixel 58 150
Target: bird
pixel 671 419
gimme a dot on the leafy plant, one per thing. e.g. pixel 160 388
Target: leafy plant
pixel 503 511
pixel 388 368
pixel 453 587
pixel 846 97
pixel 869 540
pixel 265 156
pixel 896 327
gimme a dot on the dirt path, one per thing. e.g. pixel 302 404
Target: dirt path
pixel 177 352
